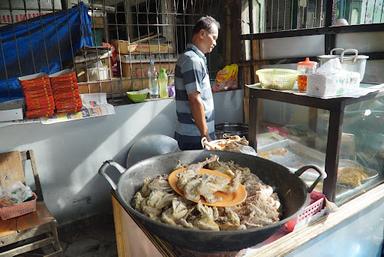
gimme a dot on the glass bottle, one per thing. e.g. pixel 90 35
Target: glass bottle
pixel 163 83
pixel 152 78
pixel 305 68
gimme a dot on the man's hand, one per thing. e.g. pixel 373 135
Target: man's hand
pixel 198 114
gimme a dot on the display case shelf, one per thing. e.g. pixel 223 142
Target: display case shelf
pixel 336 107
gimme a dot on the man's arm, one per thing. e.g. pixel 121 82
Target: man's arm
pixel 198 113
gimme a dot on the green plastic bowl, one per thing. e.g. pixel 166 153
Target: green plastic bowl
pixel 138 96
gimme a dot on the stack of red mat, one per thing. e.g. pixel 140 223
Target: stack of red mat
pixel 38 96
pixel 66 92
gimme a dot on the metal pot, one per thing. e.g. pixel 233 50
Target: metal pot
pixel 239 129
pixel 292 191
pixel 354 62
pixel 150 145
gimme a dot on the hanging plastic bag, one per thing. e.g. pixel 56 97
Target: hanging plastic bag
pixel 226 78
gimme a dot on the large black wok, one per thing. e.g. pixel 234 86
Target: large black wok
pixel 292 191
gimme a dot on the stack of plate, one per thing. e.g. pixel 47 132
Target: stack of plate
pixel 66 91
pixel 38 95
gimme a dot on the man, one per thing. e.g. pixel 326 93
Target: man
pixel 194 100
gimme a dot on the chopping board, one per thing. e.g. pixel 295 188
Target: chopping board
pixel 11 168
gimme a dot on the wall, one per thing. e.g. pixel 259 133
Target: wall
pixel 69 154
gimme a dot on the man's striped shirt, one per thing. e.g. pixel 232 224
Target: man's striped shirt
pixel 191 75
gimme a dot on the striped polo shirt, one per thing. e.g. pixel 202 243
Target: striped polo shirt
pixel 191 75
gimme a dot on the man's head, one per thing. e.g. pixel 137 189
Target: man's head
pixel 205 33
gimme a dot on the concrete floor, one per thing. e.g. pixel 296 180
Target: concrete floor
pixel 92 237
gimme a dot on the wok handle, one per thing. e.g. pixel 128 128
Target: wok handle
pixel 103 169
pixel 321 176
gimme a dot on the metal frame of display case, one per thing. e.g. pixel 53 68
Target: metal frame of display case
pixel 335 106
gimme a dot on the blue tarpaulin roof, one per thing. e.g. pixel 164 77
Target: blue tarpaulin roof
pixel 41 44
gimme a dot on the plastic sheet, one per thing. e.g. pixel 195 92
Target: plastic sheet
pixel 41 44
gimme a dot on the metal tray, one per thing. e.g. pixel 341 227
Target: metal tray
pixel 298 155
pixel 345 192
pixel 268 138
pixel 293 155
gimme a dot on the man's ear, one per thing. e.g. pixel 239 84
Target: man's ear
pixel 202 33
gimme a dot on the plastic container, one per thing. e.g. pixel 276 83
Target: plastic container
pixel 163 83
pixel 171 86
pixel 98 73
pixel 283 79
pixel 152 78
pixel 354 62
pixel 305 68
pixel 138 96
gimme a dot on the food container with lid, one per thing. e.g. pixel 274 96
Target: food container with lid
pixel 305 68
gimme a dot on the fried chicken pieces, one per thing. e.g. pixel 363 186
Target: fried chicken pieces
pixel 159 202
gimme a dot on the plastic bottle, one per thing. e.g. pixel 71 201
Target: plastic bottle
pixel 171 86
pixel 163 83
pixel 305 68
pixel 152 78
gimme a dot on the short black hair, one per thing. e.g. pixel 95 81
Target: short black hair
pixel 205 22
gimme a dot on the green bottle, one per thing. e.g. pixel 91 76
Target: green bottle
pixel 162 79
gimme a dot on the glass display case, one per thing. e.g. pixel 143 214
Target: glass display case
pixel 344 136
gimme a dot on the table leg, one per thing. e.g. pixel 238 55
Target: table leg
pixel 332 152
pixel 253 121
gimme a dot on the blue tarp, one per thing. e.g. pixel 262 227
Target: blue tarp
pixel 41 44
pixel 10 89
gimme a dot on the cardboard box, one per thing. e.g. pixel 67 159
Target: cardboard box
pixel 139 68
pixel 98 22
pixel 93 61
pixel 115 86
pixel 124 47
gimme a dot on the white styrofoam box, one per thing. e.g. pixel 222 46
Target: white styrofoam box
pixel 317 86
pixel 363 42
pixel 11 114
pixel 292 46
pixel 320 85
